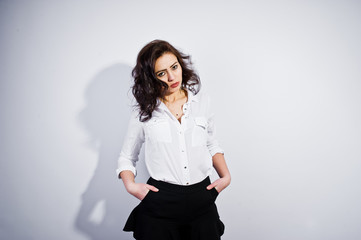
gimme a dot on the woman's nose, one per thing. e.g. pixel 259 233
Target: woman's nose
pixel 170 76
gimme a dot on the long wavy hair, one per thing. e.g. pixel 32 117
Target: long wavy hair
pixel 147 87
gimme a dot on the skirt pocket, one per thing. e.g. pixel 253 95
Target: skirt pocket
pixel 214 193
pixel 147 196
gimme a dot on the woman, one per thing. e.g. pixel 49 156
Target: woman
pixel 175 122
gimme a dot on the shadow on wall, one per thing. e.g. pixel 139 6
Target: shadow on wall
pixel 105 203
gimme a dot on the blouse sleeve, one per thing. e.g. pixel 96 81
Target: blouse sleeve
pixel 212 142
pixel 133 142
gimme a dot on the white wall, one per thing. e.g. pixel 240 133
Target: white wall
pixel 285 80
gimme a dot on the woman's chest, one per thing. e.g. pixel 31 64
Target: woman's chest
pixel 165 129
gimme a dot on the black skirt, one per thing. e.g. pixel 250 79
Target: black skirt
pixel 177 213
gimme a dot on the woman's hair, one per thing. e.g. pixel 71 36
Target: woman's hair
pixel 147 87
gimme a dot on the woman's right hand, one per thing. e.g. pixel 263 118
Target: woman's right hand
pixel 140 190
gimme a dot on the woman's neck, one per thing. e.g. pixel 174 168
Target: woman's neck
pixel 173 97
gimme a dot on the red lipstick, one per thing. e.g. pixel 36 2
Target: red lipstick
pixel 174 85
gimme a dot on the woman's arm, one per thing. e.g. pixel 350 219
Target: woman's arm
pixel 129 156
pixel 132 144
pixel 219 163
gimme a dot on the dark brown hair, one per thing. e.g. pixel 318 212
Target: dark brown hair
pixel 147 87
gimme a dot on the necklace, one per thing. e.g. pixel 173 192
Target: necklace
pixel 176 107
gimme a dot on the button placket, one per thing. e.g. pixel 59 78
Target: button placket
pixel 185 111
pixel 183 153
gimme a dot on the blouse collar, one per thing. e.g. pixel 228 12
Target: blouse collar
pixel 191 98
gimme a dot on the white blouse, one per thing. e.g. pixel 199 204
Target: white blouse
pixel 178 153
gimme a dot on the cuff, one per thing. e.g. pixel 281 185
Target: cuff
pixel 130 168
pixel 215 150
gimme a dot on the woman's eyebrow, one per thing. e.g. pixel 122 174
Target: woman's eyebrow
pixel 173 64
pixel 166 69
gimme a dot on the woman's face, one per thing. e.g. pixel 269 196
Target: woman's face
pixel 168 70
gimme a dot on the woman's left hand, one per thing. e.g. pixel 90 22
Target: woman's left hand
pixel 220 184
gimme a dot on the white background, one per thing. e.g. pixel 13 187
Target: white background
pixel 285 78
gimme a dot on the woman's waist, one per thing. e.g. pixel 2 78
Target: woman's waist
pixel 176 187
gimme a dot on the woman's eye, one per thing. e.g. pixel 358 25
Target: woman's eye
pixel 175 66
pixel 161 74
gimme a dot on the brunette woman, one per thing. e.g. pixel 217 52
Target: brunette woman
pixel 176 123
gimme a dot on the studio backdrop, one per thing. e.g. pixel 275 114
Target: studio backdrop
pixel 285 83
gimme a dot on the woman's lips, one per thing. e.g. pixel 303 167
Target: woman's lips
pixel 174 85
